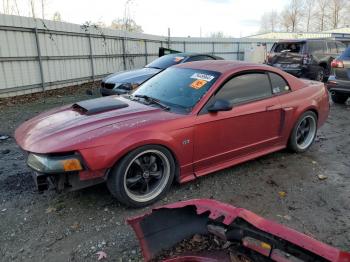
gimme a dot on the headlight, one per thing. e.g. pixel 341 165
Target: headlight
pixel 54 164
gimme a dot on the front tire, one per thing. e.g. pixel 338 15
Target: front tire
pixel 143 176
pixel 338 98
pixel 303 133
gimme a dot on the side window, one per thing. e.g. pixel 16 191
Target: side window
pixel 279 85
pixel 341 47
pixel 317 47
pixel 246 87
pixel 332 48
pixel 199 58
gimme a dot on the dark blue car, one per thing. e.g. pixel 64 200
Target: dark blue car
pixel 125 81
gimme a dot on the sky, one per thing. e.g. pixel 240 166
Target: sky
pixel 193 18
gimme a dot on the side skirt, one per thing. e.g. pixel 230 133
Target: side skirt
pixel 237 160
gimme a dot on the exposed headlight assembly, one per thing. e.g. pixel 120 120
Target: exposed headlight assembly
pixel 54 164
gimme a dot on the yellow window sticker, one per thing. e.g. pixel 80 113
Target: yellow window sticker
pixel 197 84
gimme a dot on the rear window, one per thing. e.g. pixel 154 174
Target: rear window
pixel 166 61
pixel 346 54
pixel 288 47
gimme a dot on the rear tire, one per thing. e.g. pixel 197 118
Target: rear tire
pixel 143 176
pixel 303 133
pixel 320 74
pixel 339 98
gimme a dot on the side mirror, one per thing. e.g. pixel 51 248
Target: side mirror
pixel 220 105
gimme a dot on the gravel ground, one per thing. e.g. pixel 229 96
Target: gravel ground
pixel 282 186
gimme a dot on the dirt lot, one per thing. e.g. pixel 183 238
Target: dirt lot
pixel 74 226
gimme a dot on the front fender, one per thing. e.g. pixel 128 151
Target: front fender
pixel 105 156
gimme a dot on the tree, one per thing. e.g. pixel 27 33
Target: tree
pixel 32 7
pixel 126 25
pixel 10 7
pixel 43 7
pixel 336 10
pixel 269 22
pixel 292 15
pixel 309 8
pixel 218 34
pixel 57 17
pixel 322 17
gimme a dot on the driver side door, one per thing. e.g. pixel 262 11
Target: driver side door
pixel 252 125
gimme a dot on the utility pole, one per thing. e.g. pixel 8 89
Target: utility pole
pixel 169 37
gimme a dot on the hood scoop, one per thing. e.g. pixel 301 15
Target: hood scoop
pixel 98 105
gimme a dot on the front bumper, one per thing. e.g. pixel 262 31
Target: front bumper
pixel 339 86
pixel 63 182
pixel 162 228
pixel 48 173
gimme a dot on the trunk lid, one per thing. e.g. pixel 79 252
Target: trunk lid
pixel 343 73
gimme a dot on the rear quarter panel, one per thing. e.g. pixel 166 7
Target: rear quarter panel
pixel 313 96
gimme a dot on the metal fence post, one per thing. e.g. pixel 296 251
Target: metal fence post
pixel 146 53
pixel 39 58
pixel 184 46
pixel 124 55
pixel 238 58
pixel 91 59
pixel 213 48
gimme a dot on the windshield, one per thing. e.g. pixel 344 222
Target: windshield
pixel 178 88
pixel 166 61
pixel 294 47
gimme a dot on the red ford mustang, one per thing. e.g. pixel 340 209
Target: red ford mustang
pixel 186 122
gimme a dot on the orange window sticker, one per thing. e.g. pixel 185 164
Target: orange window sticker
pixel 178 59
pixel 199 83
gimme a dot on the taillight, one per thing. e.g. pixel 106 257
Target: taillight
pixel 337 64
pixel 307 59
pixel 268 57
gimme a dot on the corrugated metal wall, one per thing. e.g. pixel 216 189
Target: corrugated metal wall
pixel 38 55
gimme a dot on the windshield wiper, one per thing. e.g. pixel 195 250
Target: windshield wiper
pixel 153 101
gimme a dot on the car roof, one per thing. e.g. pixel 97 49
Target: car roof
pixel 306 40
pixel 190 54
pixel 222 66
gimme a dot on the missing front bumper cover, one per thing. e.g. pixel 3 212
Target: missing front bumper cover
pixel 63 182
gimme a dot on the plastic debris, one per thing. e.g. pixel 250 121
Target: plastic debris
pixel 322 177
pixel 282 194
pixel 101 255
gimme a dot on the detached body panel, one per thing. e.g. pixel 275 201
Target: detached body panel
pixel 164 227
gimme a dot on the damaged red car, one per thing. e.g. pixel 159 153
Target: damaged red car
pixel 188 121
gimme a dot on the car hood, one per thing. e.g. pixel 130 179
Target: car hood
pixel 67 128
pixel 137 76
